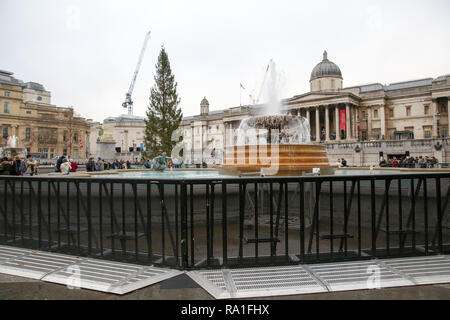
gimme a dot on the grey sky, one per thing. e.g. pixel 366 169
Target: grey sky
pixel 215 45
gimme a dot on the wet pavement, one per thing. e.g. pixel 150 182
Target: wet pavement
pixel 182 287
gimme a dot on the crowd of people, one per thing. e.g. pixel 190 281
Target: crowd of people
pixel 18 166
pixel 409 162
pixel 29 167
pixel 102 165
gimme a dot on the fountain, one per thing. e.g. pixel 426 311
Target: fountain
pixel 11 150
pixel 274 143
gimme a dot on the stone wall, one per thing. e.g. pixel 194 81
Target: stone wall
pixel 367 153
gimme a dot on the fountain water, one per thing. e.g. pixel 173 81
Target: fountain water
pixel 11 149
pixel 276 142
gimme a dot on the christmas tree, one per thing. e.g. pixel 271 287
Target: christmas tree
pixel 163 114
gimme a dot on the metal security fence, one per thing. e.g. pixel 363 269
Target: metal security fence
pixel 208 223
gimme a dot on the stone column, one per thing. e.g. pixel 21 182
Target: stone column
pixel 434 111
pixel 225 142
pixel 348 126
pixel 369 123
pixel 448 117
pixel 15 130
pixel 357 129
pixel 383 121
pixel 338 131
pixel 308 117
pixel 327 124
pixel 317 125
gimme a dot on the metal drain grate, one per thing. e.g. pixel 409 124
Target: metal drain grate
pixel 35 264
pixel 73 271
pixel 358 275
pixel 214 281
pixel 121 278
pixel 107 276
pixel 423 270
pixel 8 253
pixel 257 282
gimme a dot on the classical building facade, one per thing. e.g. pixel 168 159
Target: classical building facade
pixel 125 133
pixel 41 127
pixel 344 118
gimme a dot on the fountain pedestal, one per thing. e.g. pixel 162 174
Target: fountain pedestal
pixel 288 153
pixel 282 160
pixel 10 152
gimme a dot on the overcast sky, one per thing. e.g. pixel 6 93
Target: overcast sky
pixel 85 52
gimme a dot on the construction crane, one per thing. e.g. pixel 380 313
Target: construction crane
pixel 128 102
pixel 262 84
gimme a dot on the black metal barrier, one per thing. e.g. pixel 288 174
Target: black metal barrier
pixel 233 222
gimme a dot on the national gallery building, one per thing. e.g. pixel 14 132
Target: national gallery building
pixel 398 119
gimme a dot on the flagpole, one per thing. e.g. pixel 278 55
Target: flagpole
pixel 240 95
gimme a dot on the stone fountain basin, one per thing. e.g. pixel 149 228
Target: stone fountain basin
pixel 290 159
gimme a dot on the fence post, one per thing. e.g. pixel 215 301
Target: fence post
pixel 184 224
pixel 373 216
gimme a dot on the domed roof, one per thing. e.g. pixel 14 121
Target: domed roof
pixel 326 68
pixel 204 102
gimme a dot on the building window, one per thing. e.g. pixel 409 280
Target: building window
pixel 375 113
pixel 28 150
pixel 27 133
pixel 332 83
pixel 47 135
pixel 391 113
pixel 391 133
pixel 52 153
pixel 28 112
pixel 39 98
pixel 75 137
pixel 5 132
pixel 427 132
pixel 364 135
pixel 6 107
pixel 376 133
pixel 426 109
pixel 363 114
pixel 320 85
pixel 410 129
pixel 6 94
pixel 75 153
pixel 65 134
pixel 43 152
pixel 408 111
pixel 65 152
